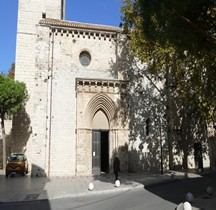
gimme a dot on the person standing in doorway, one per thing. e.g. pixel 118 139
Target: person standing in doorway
pixel 116 167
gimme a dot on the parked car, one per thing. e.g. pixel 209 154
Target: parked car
pixel 17 164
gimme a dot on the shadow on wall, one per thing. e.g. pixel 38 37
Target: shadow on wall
pixel 122 154
pixel 135 160
pixel 37 171
pixel 142 106
pixel 17 139
pixel 160 123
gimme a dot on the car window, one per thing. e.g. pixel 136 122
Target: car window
pixel 17 157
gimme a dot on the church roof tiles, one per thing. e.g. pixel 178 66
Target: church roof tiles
pixel 80 25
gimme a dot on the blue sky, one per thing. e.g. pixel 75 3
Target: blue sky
pixel 105 12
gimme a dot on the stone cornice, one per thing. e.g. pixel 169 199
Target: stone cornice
pixel 98 85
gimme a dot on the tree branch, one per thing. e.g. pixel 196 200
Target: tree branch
pixel 209 38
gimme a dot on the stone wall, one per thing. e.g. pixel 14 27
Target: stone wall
pixel 29 14
pixel 55 115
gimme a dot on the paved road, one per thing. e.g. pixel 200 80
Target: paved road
pixel 176 192
pixel 137 191
pixel 130 200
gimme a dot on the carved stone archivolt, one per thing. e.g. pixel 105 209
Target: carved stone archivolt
pixel 94 95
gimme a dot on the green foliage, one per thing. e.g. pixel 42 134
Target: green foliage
pixel 186 24
pixel 179 38
pixel 13 96
pixel 11 71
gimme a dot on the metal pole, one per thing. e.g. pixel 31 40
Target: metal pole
pixel 161 148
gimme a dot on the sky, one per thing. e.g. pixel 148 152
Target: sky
pixel 105 12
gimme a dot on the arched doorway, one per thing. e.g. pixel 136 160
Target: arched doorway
pixel 100 143
pixel 100 131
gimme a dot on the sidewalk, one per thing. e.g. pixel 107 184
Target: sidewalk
pixel 20 188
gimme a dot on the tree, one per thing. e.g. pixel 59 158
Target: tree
pixel 13 97
pixel 11 71
pixel 184 24
pixel 190 29
pixel 178 40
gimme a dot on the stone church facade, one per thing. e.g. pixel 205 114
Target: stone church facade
pixel 82 110
pixel 71 73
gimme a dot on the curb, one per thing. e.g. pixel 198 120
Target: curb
pixel 97 192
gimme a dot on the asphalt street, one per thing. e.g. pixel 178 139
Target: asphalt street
pixel 137 191
pixel 130 200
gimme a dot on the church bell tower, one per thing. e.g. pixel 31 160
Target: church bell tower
pixel 30 12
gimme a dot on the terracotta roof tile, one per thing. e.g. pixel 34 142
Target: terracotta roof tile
pixel 80 25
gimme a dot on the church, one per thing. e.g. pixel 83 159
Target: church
pixel 86 106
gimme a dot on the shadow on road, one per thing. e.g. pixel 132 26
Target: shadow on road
pixel 110 178
pixel 26 205
pixel 175 192
pixel 20 192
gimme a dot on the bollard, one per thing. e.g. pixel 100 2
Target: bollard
pixel 91 186
pixel 189 197
pixel 180 207
pixel 117 183
pixel 210 190
pixel 187 206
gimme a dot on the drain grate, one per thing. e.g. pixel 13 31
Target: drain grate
pixel 31 197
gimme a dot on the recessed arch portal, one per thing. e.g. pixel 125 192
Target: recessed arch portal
pixel 100 121
pixel 99 129
pixel 99 115
pixel 100 103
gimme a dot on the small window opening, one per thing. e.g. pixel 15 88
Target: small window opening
pixel 147 126
pixel 43 15
pixel 85 58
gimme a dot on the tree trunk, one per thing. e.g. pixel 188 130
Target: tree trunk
pixel 3 141
pixel 185 159
pixel 169 117
pixel 212 146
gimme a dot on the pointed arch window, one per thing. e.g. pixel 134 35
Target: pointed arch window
pixel 148 122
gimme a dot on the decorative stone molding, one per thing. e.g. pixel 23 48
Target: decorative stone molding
pixel 95 85
pixel 84 30
pixel 104 95
pixel 78 33
pixel 103 102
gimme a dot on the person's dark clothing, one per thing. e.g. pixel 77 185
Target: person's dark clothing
pixel 116 167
